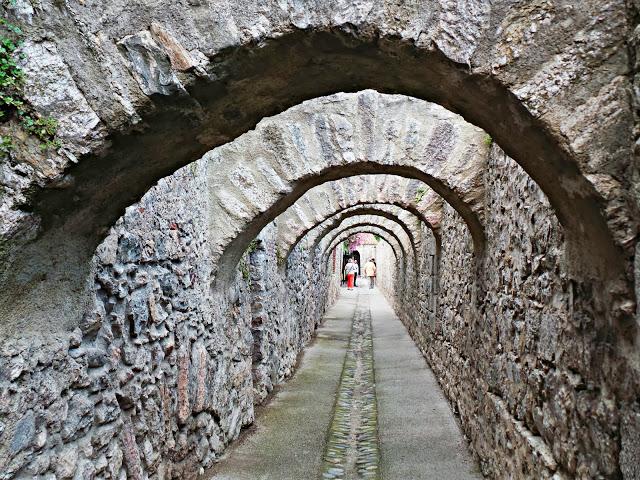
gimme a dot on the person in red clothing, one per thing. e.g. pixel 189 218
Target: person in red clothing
pixel 351 270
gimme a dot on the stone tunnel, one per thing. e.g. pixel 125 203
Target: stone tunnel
pixel 182 183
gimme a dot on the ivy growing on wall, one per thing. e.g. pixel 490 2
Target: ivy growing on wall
pixel 243 266
pixel 245 261
pixel 12 101
pixel 420 193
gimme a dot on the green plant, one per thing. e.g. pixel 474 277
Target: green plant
pixel 420 193
pixel 42 128
pixel 243 267
pixel 487 140
pixel 6 144
pixel 253 245
pixel 12 101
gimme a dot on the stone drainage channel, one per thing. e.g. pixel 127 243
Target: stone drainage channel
pixel 352 450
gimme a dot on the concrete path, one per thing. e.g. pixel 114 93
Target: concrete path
pixel 290 432
pixel 418 437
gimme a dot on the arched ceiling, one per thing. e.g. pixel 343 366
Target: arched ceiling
pixel 325 200
pixel 406 220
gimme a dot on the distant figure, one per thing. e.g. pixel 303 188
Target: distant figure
pixel 351 270
pixel 344 269
pixel 370 270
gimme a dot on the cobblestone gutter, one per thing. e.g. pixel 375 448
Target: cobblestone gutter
pixel 352 450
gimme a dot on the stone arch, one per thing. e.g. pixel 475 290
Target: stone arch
pixel 241 79
pixel 258 176
pixel 226 91
pixel 320 202
pixel 390 212
pixel 331 138
pixel 390 226
pixel 375 230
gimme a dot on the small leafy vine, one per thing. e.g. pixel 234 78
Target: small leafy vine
pixel 253 246
pixel 244 265
pixel 420 193
pixel 12 101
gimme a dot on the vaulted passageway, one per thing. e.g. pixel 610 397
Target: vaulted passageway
pixel 140 343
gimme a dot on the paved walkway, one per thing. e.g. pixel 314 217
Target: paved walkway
pixel 362 405
pixel 419 436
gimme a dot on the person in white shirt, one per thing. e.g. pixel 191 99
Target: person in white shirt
pixel 370 272
pixel 351 270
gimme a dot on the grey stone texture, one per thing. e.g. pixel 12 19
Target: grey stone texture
pixel 320 204
pixel 392 227
pixel 178 342
pixel 144 360
pixel 163 371
pixel 273 449
pixel 541 390
pixel 162 84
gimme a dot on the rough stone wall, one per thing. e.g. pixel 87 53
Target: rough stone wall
pixel 412 287
pixel 287 307
pixel 539 391
pixel 386 278
pixel 134 84
pixel 108 69
pixel 163 372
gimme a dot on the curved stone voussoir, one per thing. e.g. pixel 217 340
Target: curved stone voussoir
pixel 382 232
pixel 407 221
pixel 390 226
pixel 165 83
pixel 326 200
pixel 265 171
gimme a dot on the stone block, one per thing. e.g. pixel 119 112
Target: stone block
pixel 24 433
pixel 630 443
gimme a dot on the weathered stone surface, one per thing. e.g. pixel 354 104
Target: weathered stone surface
pixel 151 64
pixel 335 134
pixel 24 432
pixel 323 201
pixel 389 224
pixel 406 221
pixel 532 346
pixel 52 90
pixel 170 372
pixel 66 461
pixel 539 392
pixel 552 83
pixel 630 443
